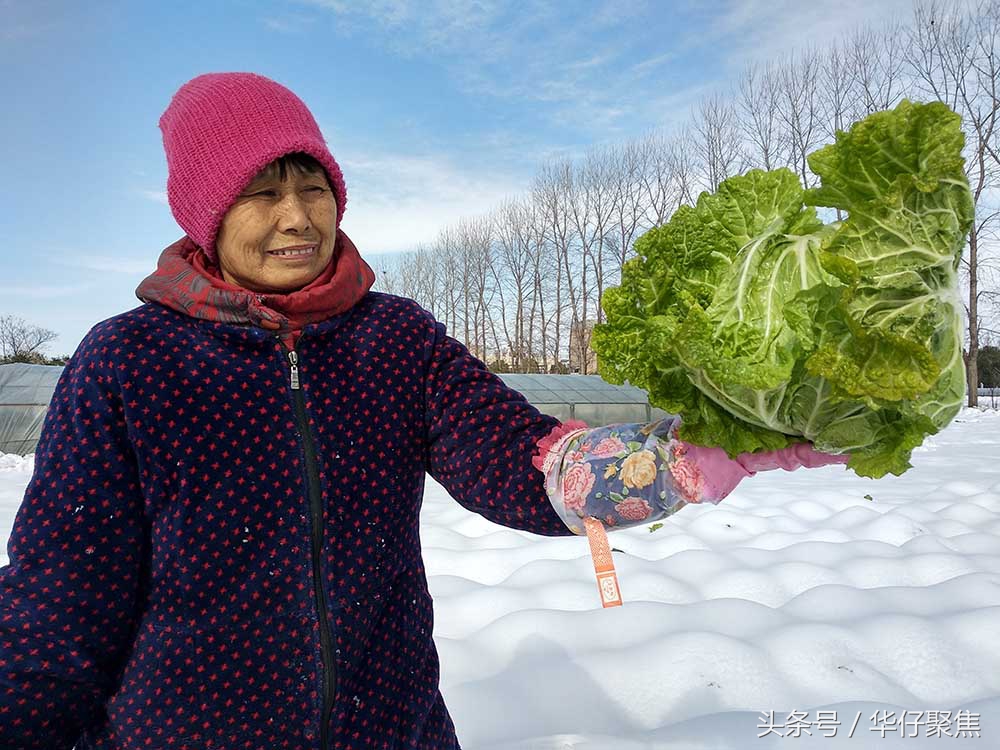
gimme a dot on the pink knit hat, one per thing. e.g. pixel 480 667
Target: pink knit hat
pixel 219 131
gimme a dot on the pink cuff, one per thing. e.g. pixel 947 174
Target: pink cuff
pixel 554 440
pixel 790 458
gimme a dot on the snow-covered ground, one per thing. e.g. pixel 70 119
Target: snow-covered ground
pixel 798 602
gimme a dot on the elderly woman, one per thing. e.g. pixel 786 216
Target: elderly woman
pixel 219 547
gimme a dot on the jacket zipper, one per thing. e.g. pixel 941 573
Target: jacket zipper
pixel 316 507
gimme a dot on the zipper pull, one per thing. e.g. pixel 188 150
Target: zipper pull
pixel 293 360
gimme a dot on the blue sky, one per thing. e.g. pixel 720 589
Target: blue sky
pixel 435 109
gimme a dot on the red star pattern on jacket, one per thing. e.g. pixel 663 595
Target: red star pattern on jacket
pixel 161 591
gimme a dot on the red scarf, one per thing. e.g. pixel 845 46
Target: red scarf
pixel 185 280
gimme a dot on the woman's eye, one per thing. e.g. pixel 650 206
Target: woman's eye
pixel 315 189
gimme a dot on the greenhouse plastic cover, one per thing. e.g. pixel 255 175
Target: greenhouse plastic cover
pixel 586 397
pixel 25 392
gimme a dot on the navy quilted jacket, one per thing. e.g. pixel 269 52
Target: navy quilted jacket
pixel 208 556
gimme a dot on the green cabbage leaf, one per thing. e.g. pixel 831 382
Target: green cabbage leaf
pixel 763 326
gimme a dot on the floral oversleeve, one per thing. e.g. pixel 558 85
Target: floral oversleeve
pixel 622 474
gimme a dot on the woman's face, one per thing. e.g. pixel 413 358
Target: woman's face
pixel 279 234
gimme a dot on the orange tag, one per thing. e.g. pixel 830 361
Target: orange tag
pixel 604 566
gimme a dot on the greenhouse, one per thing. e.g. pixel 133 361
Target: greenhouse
pixel 585 397
pixel 25 391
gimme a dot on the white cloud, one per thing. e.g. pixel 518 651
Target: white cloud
pixel 411 28
pixel 396 202
pixel 577 62
pixel 532 51
pixel 29 20
pixel 655 61
pixel 157 196
pixel 767 29
pixel 291 23
pixel 436 22
pixel 675 107
pixel 594 61
pixel 277 24
pixel 44 291
pixel 106 263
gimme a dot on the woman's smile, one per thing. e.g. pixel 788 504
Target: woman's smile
pixel 297 253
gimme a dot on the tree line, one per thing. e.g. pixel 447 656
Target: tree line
pixel 522 285
pixel 21 341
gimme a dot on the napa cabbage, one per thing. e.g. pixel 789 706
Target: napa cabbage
pixel 763 326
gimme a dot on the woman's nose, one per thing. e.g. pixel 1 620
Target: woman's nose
pixel 292 214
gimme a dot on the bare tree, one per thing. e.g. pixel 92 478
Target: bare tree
pixel 416 274
pixel 630 203
pixel 684 168
pixel 453 290
pixel 981 108
pixel 878 59
pixel 800 109
pixel 550 194
pixel 718 142
pixel 596 191
pixel 953 57
pixel 839 107
pixel 22 341
pixel 475 235
pixel 667 175
pixel 546 277
pixel 938 54
pixel 579 263
pixel 758 101
pixel 511 267
pixel 386 274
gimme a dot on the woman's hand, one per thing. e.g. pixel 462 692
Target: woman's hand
pixel 720 473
